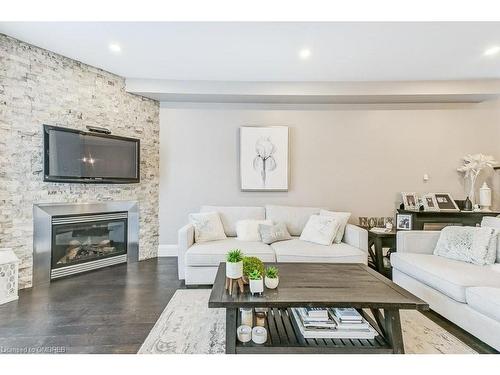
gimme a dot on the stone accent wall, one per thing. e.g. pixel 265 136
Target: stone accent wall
pixel 40 87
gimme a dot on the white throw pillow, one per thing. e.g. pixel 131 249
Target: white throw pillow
pixel 248 230
pixel 320 229
pixel 342 218
pixel 207 227
pixel 467 244
pixel 493 222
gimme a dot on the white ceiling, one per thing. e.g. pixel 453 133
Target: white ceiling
pixel 269 51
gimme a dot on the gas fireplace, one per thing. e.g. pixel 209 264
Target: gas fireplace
pixel 87 238
pixel 83 237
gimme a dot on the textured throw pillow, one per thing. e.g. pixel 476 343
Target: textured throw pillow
pixel 207 227
pixel 342 218
pixel 274 233
pixel 320 229
pixel 467 244
pixel 493 222
pixel 248 230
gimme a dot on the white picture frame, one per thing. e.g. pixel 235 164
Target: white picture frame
pixel 445 202
pixel 404 221
pixel 264 158
pixel 410 201
pixel 430 203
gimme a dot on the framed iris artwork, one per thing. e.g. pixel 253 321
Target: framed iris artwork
pixel 264 158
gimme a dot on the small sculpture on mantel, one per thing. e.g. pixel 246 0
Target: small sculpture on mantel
pixel 473 165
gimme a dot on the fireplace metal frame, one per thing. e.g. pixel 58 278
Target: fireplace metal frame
pixel 42 231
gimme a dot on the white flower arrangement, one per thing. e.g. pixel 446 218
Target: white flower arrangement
pixel 473 165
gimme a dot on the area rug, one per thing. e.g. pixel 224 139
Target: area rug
pixel 188 326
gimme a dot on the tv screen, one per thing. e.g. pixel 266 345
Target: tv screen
pixel 76 156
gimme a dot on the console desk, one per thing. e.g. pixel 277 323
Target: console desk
pixel 467 218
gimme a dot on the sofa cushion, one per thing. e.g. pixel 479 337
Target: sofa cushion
pixel 207 227
pixel 493 222
pixel 214 252
pixel 342 217
pixel 296 250
pixel 295 218
pixel 248 230
pixel 468 244
pixel 450 277
pixel 274 233
pixel 484 300
pixel 320 229
pixel 230 215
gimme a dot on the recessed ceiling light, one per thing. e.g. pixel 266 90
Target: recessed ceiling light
pixel 115 47
pixel 492 51
pixel 305 53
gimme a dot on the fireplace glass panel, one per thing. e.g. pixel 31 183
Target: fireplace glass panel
pixel 83 242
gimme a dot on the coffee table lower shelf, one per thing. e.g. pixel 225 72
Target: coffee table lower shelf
pixel 284 337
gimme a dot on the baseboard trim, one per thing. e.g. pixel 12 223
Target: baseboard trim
pixel 167 250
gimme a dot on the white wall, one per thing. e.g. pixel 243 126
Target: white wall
pixel 345 157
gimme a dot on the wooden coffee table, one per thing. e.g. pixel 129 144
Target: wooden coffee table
pixel 319 285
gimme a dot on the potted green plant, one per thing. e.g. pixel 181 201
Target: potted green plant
pixel 234 264
pixel 272 280
pixel 250 264
pixel 256 282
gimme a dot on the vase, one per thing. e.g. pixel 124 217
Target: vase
pixel 234 270
pixel 472 192
pixel 467 204
pixel 256 286
pixel 485 197
pixel 271 283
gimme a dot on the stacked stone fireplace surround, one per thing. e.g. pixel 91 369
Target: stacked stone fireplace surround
pixel 40 87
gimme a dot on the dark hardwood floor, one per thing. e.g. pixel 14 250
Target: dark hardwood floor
pixel 108 311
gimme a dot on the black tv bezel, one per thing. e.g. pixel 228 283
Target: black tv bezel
pixel 86 180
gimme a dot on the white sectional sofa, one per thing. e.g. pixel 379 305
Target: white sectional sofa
pixel 464 293
pixel 198 262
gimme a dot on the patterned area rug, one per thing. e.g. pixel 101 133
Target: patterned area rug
pixel 188 326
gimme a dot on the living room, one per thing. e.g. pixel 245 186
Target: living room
pixel 194 186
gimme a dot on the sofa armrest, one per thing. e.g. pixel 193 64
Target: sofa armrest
pixel 417 241
pixel 185 239
pixel 356 236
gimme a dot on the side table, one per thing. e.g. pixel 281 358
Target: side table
pixel 376 243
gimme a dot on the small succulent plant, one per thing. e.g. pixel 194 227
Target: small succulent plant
pixel 252 263
pixel 255 275
pixel 234 256
pixel 272 272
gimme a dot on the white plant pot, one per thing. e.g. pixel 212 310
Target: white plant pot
pixel 234 270
pixel 271 283
pixel 256 286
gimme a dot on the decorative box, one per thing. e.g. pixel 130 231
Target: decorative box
pixel 9 274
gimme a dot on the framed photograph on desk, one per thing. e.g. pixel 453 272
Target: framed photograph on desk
pixel 430 203
pixel 404 221
pixel 445 202
pixel 410 201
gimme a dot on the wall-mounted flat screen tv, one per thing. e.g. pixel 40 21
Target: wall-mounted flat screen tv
pixel 86 157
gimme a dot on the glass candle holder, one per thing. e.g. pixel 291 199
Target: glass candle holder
pixel 260 319
pixel 259 335
pixel 244 333
pixel 247 316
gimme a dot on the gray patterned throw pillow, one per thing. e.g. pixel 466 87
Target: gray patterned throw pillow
pixel 274 233
pixel 468 244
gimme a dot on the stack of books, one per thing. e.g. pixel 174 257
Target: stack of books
pixel 336 323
